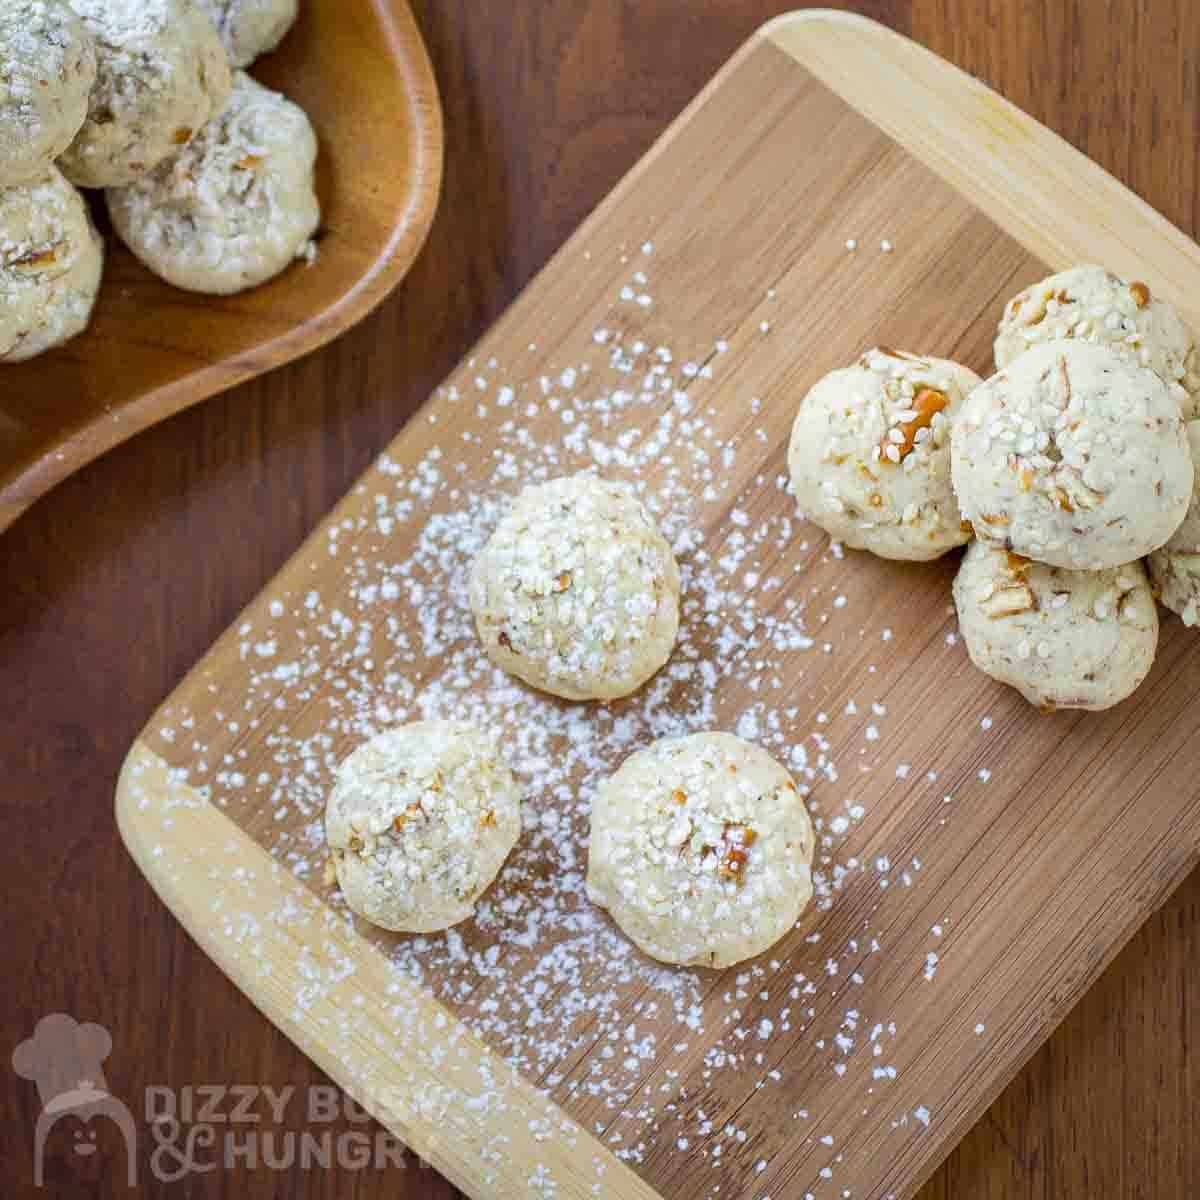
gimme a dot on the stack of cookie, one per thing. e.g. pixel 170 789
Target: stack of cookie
pixel 1069 466
pixel 209 177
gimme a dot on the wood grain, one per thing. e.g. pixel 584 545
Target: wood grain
pixel 361 72
pixel 118 581
pixel 1035 185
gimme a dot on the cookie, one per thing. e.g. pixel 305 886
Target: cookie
pixel 419 823
pixel 249 28
pixel 576 592
pixel 1091 304
pixel 47 68
pixel 1073 456
pixel 236 206
pixel 701 850
pixel 1175 566
pixel 161 74
pixel 51 258
pixel 869 457
pixel 1062 638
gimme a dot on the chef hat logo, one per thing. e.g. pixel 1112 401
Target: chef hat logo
pixel 65 1059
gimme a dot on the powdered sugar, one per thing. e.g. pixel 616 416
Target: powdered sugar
pixel 236 205
pixel 47 67
pixel 161 73
pixel 779 640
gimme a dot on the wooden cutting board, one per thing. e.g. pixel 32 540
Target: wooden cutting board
pixel 978 863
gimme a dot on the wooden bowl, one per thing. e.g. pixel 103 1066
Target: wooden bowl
pixel 360 71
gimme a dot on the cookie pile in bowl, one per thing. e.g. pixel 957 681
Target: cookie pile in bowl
pixel 207 175
pixel 1069 474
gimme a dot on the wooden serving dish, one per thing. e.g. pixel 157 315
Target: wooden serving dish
pixel 979 862
pixel 360 71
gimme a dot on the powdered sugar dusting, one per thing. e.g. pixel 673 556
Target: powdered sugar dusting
pixel 780 641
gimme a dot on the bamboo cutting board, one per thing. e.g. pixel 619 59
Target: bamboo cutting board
pixel 978 863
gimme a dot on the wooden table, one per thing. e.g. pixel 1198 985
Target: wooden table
pixel 117 581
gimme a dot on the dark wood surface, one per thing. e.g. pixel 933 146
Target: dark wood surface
pixel 122 577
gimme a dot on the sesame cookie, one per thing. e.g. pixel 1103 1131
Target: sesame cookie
pixel 1073 456
pixel 1094 305
pixel 701 850
pixel 47 68
pixel 51 258
pixel 1063 639
pixel 870 454
pixel 161 74
pixel 577 592
pixel 249 28
pixel 419 823
pixel 1175 567
pixel 236 206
